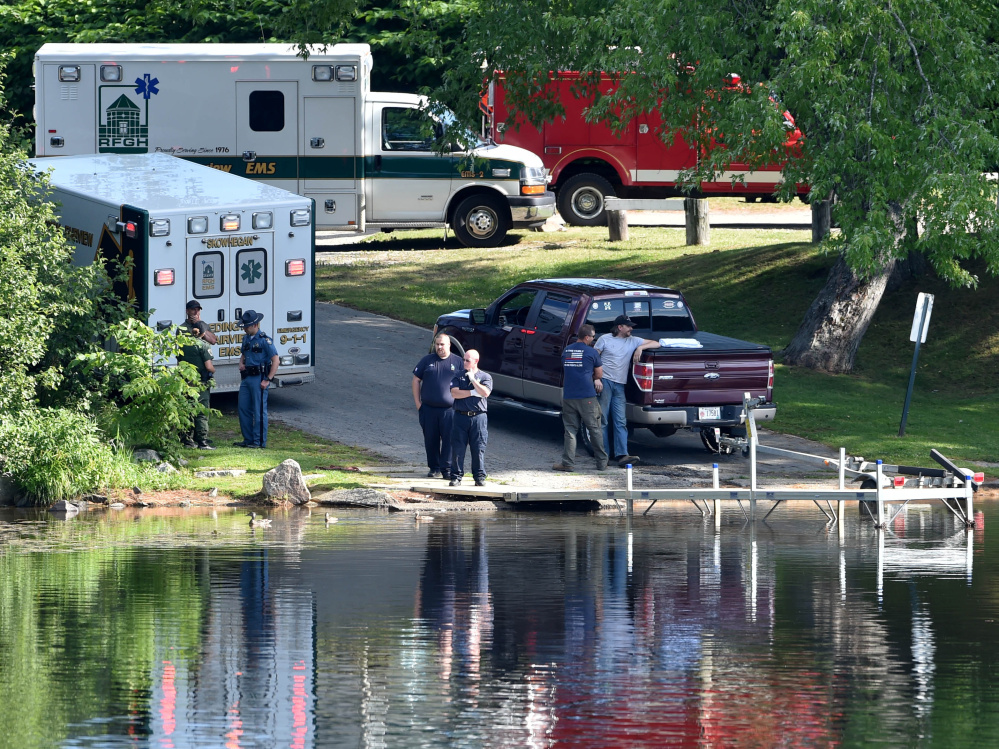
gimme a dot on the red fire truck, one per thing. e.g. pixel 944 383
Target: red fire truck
pixel 588 162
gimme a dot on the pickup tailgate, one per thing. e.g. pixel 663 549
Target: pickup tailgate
pixel 716 374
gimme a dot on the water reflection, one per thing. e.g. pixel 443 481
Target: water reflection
pixel 181 630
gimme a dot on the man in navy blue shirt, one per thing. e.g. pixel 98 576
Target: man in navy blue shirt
pixel 470 390
pixel 581 382
pixel 432 396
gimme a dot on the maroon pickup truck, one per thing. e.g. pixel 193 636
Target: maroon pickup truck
pixel 697 381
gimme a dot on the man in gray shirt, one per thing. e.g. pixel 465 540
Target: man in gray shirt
pixel 618 349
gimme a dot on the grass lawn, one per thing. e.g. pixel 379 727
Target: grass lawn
pixel 748 283
pixel 314 454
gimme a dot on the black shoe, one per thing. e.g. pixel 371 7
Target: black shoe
pixel 480 482
pixel 205 446
pixel 454 482
pixel 433 474
pixel 188 443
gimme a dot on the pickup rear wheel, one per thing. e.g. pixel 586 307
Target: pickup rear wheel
pixel 481 221
pixel 583 439
pixel 581 200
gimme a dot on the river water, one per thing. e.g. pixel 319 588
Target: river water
pixel 186 628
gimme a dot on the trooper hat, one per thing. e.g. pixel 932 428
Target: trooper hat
pixel 624 320
pixel 193 304
pixel 250 317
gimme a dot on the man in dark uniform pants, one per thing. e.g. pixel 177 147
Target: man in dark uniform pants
pixel 432 396
pixel 470 390
pixel 258 364
pixel 196 351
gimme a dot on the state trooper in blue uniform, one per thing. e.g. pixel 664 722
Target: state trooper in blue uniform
pixel 257 366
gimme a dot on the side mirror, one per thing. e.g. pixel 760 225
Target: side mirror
pixel 477 316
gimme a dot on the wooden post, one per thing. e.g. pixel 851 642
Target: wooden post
pixel 695 211
pixel 617 225
pixel 821 219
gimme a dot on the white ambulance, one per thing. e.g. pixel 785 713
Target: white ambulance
pixel 193 232
pixel 312 126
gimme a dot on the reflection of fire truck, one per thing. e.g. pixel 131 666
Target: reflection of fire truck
pixel 588 162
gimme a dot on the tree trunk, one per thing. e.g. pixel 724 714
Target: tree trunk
pixel 835 324
pixel 696 213
pixel 821 219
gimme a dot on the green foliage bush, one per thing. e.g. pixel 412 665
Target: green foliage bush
pixel 54 453
pixel 64 396
pixel 145 404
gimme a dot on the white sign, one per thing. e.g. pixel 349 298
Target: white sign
pixel 921 300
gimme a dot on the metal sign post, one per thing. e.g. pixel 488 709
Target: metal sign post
pixel 920 324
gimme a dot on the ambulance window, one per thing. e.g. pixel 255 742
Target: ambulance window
pixel 406 129
pixel 251 272
pixel 266 111
pixel 208 275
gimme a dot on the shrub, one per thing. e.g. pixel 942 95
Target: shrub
pixel 149 405
pixel 54 454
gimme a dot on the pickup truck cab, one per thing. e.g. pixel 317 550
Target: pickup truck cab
pixel 696 381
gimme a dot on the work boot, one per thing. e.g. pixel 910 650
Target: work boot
pixel 456 481
pixel 562 467
pixel 602 468
pixel 203 445
pixel 481 481
pixel 188 442
pixel 626 459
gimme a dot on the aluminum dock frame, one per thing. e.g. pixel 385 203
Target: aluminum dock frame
pixel 887 488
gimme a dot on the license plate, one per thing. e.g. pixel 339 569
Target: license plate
pixel 708 413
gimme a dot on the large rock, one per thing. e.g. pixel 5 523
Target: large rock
pixel 145 455
pixel 286 482
pixel 64 507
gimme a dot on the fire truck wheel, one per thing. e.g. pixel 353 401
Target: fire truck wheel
pixel 581 200
pixel 481 221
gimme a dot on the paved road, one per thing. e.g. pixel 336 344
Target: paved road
pixel 362 397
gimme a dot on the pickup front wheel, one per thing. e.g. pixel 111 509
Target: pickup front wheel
pixel 481 221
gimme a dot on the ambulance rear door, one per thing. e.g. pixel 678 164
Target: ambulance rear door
pixel 230 274
pixel 67 117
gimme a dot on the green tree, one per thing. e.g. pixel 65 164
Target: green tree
pixel 897 100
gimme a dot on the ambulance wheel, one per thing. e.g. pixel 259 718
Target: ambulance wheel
pixel 581 200
pixel 481 221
